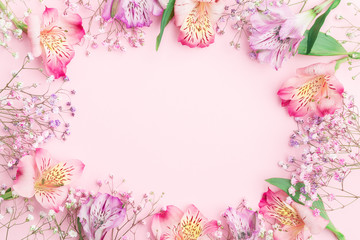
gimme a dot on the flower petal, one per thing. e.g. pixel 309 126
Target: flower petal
pixel 25 177
pixel 197 29
pixel 315 224
pixel 33 33
pixel 58 54
pixel 51 198
pixel 50 16
pixel 165 221
pixel 43 159
pixel 318 69
pixel 72 24
pixel 135 13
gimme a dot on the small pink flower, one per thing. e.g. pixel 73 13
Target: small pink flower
pixel 314 91
pixel 276 32
pixel 296 221
pixel 316 212
pixel 53 37
pixel 46 178
pixel 196 19
pixel 172 223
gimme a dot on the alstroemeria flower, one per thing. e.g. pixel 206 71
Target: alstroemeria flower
pixel 314 91
pixel 53 37
pixel 101 214
pixel 134 13
pixel 243 224
pixel 174 224
pixel 48 179
pixel 276 32
pixel 296 221
pixel 196 19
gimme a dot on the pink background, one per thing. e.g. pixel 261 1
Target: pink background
pixel 202 125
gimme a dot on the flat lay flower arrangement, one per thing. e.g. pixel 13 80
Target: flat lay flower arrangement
pixel 35 112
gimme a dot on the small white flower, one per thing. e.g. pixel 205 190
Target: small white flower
pixel 51 213
pixel 50 79
pixel 9 210
pixel 30 56
pixel 42 214
pixel 1 216
pixel 33 228
pixel 73 234
pixel 29 218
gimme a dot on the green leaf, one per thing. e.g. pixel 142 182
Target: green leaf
pixel 325 45
pixel 168 14
pixel 315 29
pixel 285 184
pixel 79 228
pixel 8 195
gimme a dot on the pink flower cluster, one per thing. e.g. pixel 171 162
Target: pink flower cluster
pixel 330 153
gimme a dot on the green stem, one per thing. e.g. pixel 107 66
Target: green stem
pixel 18 24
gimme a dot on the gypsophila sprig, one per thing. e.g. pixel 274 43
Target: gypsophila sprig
pixel 107 33
pixel 331 153
pixel 29 118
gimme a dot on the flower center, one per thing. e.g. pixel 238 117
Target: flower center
pixel 312 90
pixel 285 214
pixel 54 40
pixel 191 227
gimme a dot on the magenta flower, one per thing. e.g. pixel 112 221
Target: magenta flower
pixel 276 33
pixel 296 221
pixel 174 224
pixel 134 13
pixel 53 37
pixel 101 214
pixel 314 91
pixel 46 178
pixel 243 224
pixel 196 19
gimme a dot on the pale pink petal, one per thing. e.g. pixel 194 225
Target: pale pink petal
pixel 25 177
pixel 51 198
pixel 163 3
pixel 33 33
pixel 43 160
pixel 329 104
pixel 50 16
pixel 296 26
pixel 318 69
pixel 210 227
pixel 164 221
pixel 106 12
pixel 154 7
pixel 65 172
pixel 216 9
pixel 314 224
pixel 182 9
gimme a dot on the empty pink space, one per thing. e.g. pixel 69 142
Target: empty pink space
pixel 204 126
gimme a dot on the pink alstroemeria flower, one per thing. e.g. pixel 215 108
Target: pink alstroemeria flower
pixel 243 224
pixel 48 179
pixel 174 224
pixel 196 19
pixel 101 214
pixel 134 13
pixel 276 32
pixel 314 91
pixel 297 222
pixel 53 37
